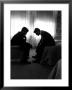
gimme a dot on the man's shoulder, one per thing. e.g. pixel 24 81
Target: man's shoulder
pixel 18 33
pixel 45 33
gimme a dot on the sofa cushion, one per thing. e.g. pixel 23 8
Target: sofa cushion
pixel 16 54
pixel 51 54
pixel 56 71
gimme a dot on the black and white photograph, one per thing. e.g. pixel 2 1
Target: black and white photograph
pixel 35 44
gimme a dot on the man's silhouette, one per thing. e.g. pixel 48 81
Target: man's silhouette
pixel 20 40
pixel 46 40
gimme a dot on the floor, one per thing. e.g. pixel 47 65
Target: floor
pixel 30 71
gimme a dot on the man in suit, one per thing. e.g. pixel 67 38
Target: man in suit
pixel 20 37
pixel 46 40
pixel 20 40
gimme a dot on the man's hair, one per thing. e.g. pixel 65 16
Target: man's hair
pixel 37 31
pixel 24 30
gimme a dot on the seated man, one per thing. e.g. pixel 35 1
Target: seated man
pixel 20 37
pixel 20 40
pixel 46 40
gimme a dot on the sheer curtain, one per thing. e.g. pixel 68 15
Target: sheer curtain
pixel 45 20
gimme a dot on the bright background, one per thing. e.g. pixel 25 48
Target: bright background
pixel 49 21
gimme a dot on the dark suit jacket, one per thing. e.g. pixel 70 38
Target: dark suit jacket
pixel 18 39
pixel 46 40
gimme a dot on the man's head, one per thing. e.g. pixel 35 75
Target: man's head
pixel 37 31
pixel 24 30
